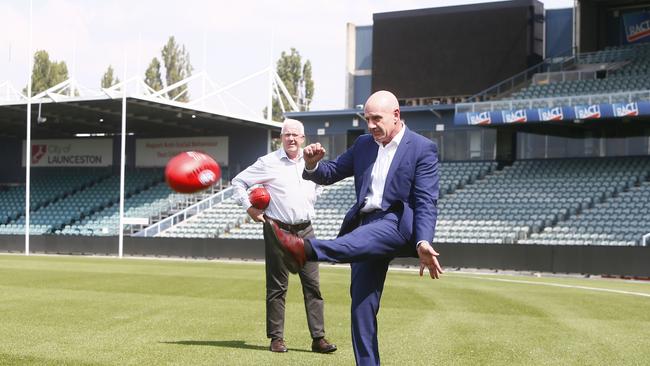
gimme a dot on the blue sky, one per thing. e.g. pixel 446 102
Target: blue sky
pixel 228 39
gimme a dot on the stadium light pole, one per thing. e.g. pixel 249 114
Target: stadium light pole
pixel 269 108
pixel 122 164
pixel 205 63
pixel 28 139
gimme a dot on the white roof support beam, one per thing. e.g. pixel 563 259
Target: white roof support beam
pixel 279 82
pixel 229 86
pixel 9 93
pixel 277 92
pixel 163 92
pixel 135 87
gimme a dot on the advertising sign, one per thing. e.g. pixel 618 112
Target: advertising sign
pixel 71 153
pixel 157 152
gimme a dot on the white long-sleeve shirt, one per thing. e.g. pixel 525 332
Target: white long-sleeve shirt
pixel 385 156
pixel 292 198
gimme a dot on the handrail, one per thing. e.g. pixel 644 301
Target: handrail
pixel 644 240
pixel 561 76
pixel 569 100
pixel 173 201
pixel 560 60
pixel 629 50
pixel 182 215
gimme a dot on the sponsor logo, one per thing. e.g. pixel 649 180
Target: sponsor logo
pixel 551 114
pixel 207 177
pixel 587 112
pixel 514 116
pixel 38 151
pixel 625 110
pixel 482 118
pixel 638 31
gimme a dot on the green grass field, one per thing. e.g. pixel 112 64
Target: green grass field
pixel 106 311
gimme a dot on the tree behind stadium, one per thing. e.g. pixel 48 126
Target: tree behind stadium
pixel 109 79
pixel 46 73
pixel 296 76
pixel 152 75
pixel 176 60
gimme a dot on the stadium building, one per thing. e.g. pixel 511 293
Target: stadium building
pixel 542 119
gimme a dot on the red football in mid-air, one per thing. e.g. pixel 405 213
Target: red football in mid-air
pixel 191 171
pixel 259 198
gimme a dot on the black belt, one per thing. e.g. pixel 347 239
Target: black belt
pixel 365 217
pixel 363 213
pixel 293 227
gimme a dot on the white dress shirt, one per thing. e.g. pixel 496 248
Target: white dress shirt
pixel 292 198
pixel 385 156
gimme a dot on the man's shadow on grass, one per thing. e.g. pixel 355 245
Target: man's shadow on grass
pixel 230 344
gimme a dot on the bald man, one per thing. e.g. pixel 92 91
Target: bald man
pixel 396 181
pixel 291 207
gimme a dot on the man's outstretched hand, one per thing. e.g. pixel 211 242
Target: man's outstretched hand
pixel 429 259
pixel 312 154
pixel 256 214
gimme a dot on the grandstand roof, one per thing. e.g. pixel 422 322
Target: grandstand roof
pixel 146 117
pixel 68 109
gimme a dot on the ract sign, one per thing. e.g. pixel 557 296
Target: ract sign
pixel 551 114
pixel 517 116
pixel 637 26
pixel 587 112
pixel 481 118
pixel 625 110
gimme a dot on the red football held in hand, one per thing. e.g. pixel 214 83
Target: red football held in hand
pixel 259 198
pixel 191 171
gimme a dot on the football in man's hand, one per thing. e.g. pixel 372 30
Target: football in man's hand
pixel 259 198
pixel 191 171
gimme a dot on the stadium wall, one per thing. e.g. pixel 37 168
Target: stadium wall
pixel 12 171
pixel 245 145
pixel 593 260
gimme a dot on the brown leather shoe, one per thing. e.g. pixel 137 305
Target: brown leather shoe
pixel 291 246
pixel 277 345
pixel 322 345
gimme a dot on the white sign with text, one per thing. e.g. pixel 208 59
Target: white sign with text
pixel 71 153
pixel 157 152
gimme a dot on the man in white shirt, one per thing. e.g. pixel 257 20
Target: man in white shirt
pixel 292 207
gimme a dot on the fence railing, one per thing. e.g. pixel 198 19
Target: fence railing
pixel 557 64
pixel 183 215
pixel 174 202
pixel 645 240
pixel 506 86
pixel 559 76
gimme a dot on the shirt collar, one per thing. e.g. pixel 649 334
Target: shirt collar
pixel 283 154
pixel 396 140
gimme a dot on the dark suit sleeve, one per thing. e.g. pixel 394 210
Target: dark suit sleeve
pixel 329 172
pixel 426 193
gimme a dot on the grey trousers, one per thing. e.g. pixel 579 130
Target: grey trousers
pixel 277 281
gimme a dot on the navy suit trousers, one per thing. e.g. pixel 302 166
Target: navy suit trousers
pixel 370 248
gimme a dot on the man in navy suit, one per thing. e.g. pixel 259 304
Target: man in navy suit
pixel 396 181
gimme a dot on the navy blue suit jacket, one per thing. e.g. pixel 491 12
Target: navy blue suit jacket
pixel 411 188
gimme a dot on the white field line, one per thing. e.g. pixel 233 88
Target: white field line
pixel 553 284
pixel 485 276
